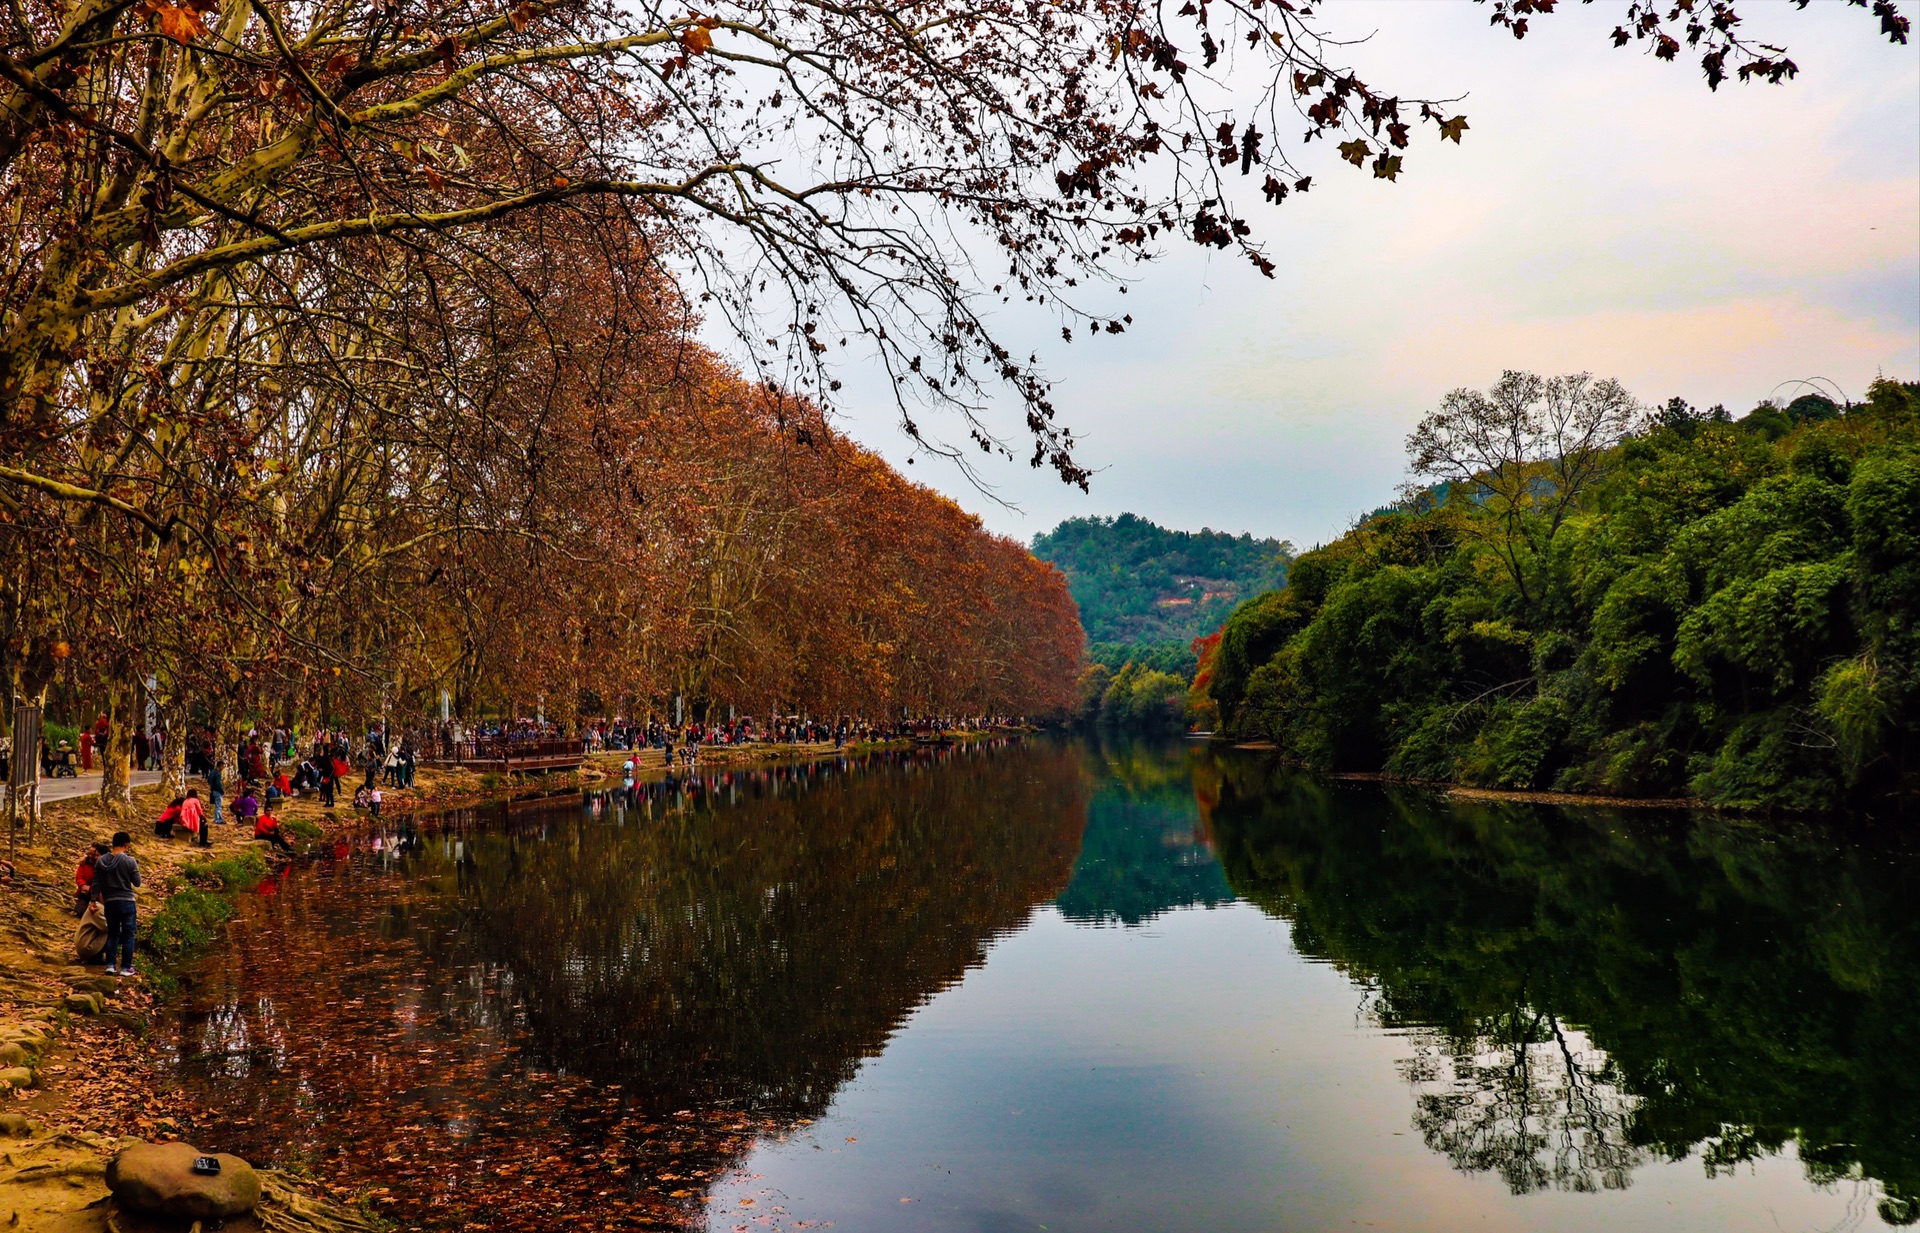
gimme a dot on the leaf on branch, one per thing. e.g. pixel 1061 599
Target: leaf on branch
pixel 1451 129
pixel 1386 167
pixel 182 25
pixel 1355 151
pixel 697 40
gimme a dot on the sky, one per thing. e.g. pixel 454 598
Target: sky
pixel 1606 213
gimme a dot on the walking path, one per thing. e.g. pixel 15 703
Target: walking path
pixel 84 785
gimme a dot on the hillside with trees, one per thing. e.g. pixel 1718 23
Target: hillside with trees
pixel 1146 596
pixel 1145 592
pixel 1674 604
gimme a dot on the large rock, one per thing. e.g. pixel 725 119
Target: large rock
pixel 101 984
pixel 18 1126
pixel 16 1076
pixel 83 1003
pixel 15 1054
pixel 158 1178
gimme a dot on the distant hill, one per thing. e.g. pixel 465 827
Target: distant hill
pixel 1139 583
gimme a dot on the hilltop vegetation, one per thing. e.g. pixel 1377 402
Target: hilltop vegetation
pixel 1140 583
pixel 1707 608
pixel 1145 595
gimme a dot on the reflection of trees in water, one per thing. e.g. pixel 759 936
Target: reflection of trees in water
pixel 597 1011
pixel 1144 851
pixel 1531 1101
pixel 756 954
pixel 1743 986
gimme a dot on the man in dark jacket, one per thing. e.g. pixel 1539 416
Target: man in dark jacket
pixel 116 878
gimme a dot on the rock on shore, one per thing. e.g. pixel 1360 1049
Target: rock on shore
pixel 159 1178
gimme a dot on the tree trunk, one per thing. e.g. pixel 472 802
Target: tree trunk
pixel 116 788
pixel 173 756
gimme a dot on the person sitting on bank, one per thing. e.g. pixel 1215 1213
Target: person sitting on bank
pixel 248 810
pixel 90 938
pixel 268 827
pixel 84 892
pixel 169 818
pixel 193 816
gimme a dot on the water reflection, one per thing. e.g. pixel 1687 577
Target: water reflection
pixel 600 1005
pixel 595 1009
pixel 1587 990
pixel 1144 850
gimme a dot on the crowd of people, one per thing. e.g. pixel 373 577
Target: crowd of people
pixel 272 764
pixel 622 735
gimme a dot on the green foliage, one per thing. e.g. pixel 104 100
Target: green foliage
pixel 1167 655
pixel 241 871
pixel 1137 583
pixel 1730 613
pixel 186 924
pixel 1135 698
pixel 301 828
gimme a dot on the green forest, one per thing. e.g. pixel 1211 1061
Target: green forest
pixel 1706 608
pixel 1140 585
pixel 1145 595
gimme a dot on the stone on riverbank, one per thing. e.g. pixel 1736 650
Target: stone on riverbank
pixel 102 984
pixel 16 1076
pixel 158 1178
pixel 83 1003
pixel 14 1054
pixel 17 1126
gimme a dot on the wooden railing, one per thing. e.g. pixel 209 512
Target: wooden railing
pixel 508 751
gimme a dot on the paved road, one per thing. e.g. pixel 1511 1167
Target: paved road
pixel 85 785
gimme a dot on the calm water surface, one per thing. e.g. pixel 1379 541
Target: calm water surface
pixel 1079 987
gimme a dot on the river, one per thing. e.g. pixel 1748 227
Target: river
pixel 1073 986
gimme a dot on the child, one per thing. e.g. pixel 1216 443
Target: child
pixel 373 799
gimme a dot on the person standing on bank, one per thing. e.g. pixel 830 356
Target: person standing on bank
pixel 116 876
pixel 216 787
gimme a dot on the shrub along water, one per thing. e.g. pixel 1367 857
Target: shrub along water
pixel 1724 610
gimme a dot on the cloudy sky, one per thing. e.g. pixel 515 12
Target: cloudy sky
pixel 1606 213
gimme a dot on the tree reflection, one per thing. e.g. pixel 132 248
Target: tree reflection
pixel 596 1008
pixel 1144 850
pixel 1588 989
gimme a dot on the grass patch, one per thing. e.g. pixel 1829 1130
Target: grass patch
pixel 190 919
pixel 242 871
pixel 301 828
pixel 186 924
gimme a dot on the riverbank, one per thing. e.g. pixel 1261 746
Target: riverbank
pixel 80 1074
pixel 1467 792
